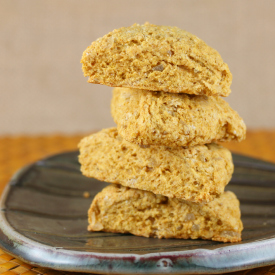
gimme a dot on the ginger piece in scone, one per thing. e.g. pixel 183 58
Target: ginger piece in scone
pixel 121 209
pixel 156 58
pixel 158 118
pixel 197 173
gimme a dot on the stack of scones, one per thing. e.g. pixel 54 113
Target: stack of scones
pixel 168 175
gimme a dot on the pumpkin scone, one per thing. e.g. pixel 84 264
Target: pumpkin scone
pixel 121 209
pixel 156 58
pixel 197 173
pixel 159 118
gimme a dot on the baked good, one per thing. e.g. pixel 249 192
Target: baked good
pixel 159 118
pixel 156 58
pixel 197 173
pixel 121 209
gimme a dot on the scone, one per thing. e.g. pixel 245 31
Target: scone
pixel 156 58
pixel 197 173
pixel 159 118
pixel 125 210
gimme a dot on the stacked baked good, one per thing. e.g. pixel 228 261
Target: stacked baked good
pixel 168 175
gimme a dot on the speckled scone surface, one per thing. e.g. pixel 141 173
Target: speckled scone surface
pixel 126 210
pixel 197 173
pixel 159 118
pixel 157 58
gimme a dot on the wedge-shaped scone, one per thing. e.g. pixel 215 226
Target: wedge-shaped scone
pixel 121 209
pixel 156 58
pixel 159 118
pixel 197 174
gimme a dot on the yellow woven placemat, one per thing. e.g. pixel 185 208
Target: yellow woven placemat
pixel 18 151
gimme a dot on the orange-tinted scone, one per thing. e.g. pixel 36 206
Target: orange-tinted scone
pixel 156 58
pixel 159 118
pixel 197 173
pixel 121 209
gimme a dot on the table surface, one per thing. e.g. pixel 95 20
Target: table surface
pixel 18 151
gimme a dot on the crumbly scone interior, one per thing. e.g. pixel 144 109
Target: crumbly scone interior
pixel 168 175
pixel 197 173
pixel 159 118
pixel 126 210
pixel 156 58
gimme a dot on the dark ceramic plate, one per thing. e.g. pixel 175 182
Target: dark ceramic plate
pixel 43 221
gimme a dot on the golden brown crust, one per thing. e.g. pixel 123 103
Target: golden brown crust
pixel 125 210
pixel 197 173
pixel 156 58
pixel 158 118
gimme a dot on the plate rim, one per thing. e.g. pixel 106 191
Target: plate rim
pixel 193 261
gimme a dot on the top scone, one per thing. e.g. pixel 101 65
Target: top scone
pixel 156 58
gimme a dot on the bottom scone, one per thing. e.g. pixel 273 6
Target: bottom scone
pixel 122 209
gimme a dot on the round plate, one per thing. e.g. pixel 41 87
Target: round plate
pixel 43 221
